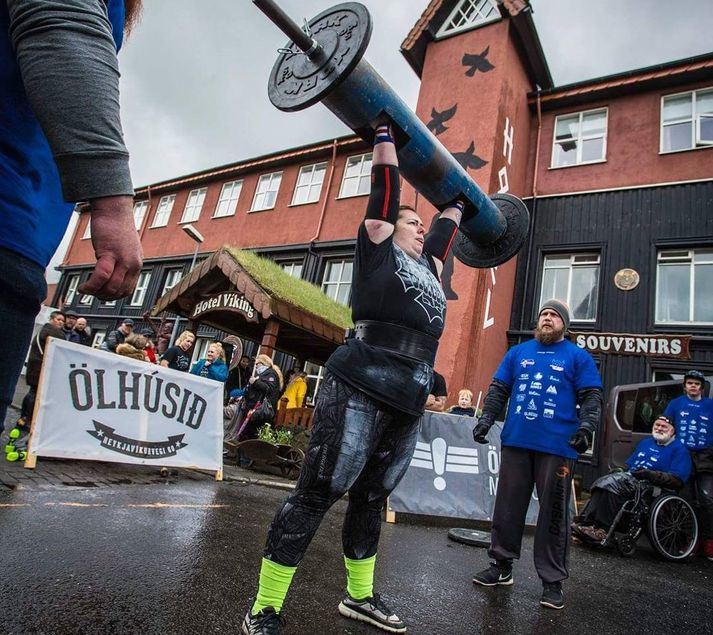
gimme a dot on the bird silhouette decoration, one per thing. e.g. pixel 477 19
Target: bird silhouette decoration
pixel 438 119
pixel 468 159
pixel 477 62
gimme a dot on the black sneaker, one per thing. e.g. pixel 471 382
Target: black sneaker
pixel 496 574
pixel 265 622
pixel 372 611
pixel 552 595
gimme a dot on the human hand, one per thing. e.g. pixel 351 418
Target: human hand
pixel 641 474
pixel 580 441
pixel 116 246
pixel 252 380
pixel 480 433
pixel 430 401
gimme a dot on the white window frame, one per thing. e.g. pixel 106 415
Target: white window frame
pixel 313 188
pixel 194 205
pixel 142 284
pixel 337 284
pixel 140 209
pixel 289 267
pixel 450 28
pixel 170 282
pixel 87 230
pixel 695 119
pixel 200 348
pixel 107 303
pixel 309 368
pixel 163 211
pixel 86 299
pixel 267 184
pixel 364 174
pixel 674 256
pixel 581 138
pixel 228 200
pixel 72 285
pixel 576 260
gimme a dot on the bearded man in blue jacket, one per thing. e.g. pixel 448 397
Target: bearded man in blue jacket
pixel 60 142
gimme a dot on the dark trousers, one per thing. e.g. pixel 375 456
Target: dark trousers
pixel 358 445
pixel 22 291
pixel 703 484
pixel 601 508
pixel 520 471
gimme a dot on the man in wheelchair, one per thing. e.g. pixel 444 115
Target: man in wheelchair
pixel 659 462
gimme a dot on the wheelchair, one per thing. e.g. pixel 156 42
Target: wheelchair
pixel 667 518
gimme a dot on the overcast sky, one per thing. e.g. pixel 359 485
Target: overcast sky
pixel 194 74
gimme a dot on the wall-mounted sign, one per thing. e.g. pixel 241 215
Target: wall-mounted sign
pixel 675 346
pixel 626 279
pixel 229 301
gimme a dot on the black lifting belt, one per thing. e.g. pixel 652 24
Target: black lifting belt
pixel 397 339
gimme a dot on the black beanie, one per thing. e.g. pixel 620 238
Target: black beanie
pixel 560 308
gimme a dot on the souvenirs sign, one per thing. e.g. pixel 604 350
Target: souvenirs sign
pixel 101 406
pixel 675 346
pixel 229 301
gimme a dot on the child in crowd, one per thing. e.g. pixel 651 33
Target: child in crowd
pixel 465 404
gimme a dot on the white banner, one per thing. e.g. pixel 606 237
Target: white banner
pixel 104 407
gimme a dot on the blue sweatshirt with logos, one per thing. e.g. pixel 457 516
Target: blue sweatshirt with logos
pixel 60 135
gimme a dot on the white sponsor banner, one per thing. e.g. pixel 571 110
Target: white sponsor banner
pixel 104 407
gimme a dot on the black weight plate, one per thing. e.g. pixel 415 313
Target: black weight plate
pixel 297 81
pixel 471 537
pixel 483 256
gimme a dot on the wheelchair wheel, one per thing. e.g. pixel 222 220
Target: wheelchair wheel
pixel 626 545
pixel 673 529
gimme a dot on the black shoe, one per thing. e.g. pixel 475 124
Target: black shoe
pixel 265 622
pixel 496 574
pixel 552 595
pixel 372 611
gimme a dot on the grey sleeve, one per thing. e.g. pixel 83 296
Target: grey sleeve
pixel 69 68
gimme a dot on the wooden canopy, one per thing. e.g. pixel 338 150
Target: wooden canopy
pixel 232 297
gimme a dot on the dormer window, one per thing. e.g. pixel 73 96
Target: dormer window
pixel 469 14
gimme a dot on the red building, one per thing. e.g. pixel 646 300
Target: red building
pixel 617 172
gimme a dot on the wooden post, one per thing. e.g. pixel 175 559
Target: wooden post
pixel 269 338
pixel 390 513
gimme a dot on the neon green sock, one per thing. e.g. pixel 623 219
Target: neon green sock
pixel 360 577
pixel 275 581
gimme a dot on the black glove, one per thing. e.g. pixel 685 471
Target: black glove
pixel 480 432
pixel 581 440
pixel 642 474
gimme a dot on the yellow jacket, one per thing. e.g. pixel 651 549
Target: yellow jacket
pixel 295 393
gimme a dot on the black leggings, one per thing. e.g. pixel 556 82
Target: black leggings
pixel 358 445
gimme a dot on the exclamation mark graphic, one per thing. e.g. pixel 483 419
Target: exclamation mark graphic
pixel 438 449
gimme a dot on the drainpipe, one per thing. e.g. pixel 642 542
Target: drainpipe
pixel 145 222
pixel 326 198
pixel 530 238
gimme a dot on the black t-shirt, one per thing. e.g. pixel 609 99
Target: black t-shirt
pixel 177 358
pixel 389 286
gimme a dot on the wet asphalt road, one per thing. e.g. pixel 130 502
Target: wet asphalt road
pixel 182 557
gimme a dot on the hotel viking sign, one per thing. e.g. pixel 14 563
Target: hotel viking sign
pixel 229 301
pixel 671 346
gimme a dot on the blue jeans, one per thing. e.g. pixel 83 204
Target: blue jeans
pixel 22 291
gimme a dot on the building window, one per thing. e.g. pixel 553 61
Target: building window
pixel 201 348
pixel 469 14
pixel 228 201
pixel 315 374
pixel 684 286
pixel 309 184
pixel 86 300
pixel 337 280
pixel 98 338
pixel 88 230
pixel 172 278
pixel 266 192
pixel 71 289
pixel 140 292
pixel 580 138
pixel 293 268
pixel 163 211
pixel 194 204
pixel 140 210
pixel 107 304
pixel 687 120
pixel 573 278
pixel 357 176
